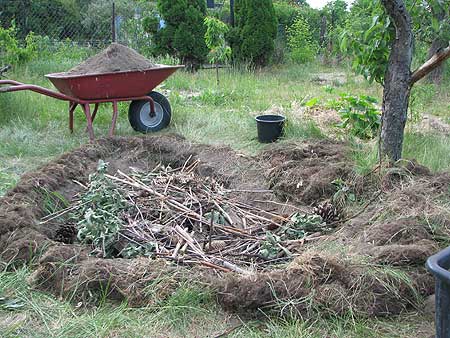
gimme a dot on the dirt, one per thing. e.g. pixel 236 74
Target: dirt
pixel 304 173
pixel 371 264
pixel 115 58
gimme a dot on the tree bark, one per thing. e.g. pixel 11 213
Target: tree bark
pixel 434 62
pixel 397 82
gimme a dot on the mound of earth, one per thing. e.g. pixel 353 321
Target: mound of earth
pixel 371 262
pixel 115 58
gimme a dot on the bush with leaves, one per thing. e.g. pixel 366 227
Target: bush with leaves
pixel 359 114
pixel 252 40
pixel 11 50
pixel 184 31
pixel 98 217
pixel 301 46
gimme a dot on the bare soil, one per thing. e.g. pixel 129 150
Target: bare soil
pixel 115 58
pixel 372 263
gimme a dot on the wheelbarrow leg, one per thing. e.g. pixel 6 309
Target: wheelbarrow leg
pixel 114 119
pixel 72 106
pixel 87 112
pixel 94 114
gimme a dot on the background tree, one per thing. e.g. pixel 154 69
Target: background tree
pixel 302 47
pixel 184 31
pixel 334 15
pixel 219 51
pixel 252 40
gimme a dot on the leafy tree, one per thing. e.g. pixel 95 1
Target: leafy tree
pixel 333 15
pixel 256 28
pixel 184 31
pixel 388 59
pixel 368 41
pixel 302 48
pixel 219 51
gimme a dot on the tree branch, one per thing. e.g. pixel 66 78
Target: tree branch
pixel 431 64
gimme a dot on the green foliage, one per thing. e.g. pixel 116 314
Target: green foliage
pixel 359 114
pixel 302 48
pixel 7 181
pixel 219 51
pixel 183 35
pixel 58 19
pixel 134 250
pixel 298 227
pixel 368 42
pixel 97 217
pixel 335 13
pixel 252 40
pixel 11 50
pixel 286 13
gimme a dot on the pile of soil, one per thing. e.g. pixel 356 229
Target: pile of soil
pixel 372 264
pixel 115 58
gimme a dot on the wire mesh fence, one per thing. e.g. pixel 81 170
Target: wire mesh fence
pixel 84 22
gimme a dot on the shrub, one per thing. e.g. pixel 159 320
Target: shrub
pixel 256 28
pixel 11 51
pixel 359 114
pixel 184 31
pixel 301 46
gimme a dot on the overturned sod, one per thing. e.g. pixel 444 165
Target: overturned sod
pixel 370 262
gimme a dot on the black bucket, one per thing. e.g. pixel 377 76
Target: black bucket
pixel 270 127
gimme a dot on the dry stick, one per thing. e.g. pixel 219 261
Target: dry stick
pixel 283 205
pixel 177 248
pixel 211 227
pixel 214 266
pixel 230 266
pixel 60 213
pixel 228 218
pixel 137 184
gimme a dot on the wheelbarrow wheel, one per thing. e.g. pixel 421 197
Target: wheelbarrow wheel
pixel 142 120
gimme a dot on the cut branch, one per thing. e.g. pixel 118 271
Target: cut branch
pixel 431 64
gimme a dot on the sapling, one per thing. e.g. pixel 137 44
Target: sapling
pixel 219 51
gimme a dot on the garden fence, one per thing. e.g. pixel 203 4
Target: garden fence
pixel 87 23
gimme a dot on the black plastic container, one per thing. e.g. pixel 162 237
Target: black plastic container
pixel 270 127
pixel 438 265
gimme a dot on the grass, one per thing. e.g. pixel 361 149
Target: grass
pixel 33 130
pixel 189 312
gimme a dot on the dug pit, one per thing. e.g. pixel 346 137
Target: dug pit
pixel 256 230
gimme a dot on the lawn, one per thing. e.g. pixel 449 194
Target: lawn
pixel 34 130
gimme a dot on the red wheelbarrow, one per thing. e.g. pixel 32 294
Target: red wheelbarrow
pixel 149 110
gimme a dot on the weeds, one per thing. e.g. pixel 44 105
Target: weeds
pixel 359 115
pixel 98 220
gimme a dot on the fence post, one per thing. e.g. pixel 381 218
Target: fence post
pixel 113 22
pixel 232 13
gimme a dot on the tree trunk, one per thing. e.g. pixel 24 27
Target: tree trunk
pixel 323 30
pixel 397 82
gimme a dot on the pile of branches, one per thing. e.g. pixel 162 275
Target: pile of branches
pixel 183 217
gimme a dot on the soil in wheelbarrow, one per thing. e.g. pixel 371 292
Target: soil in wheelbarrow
pixel 367 256
pixel 115 58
